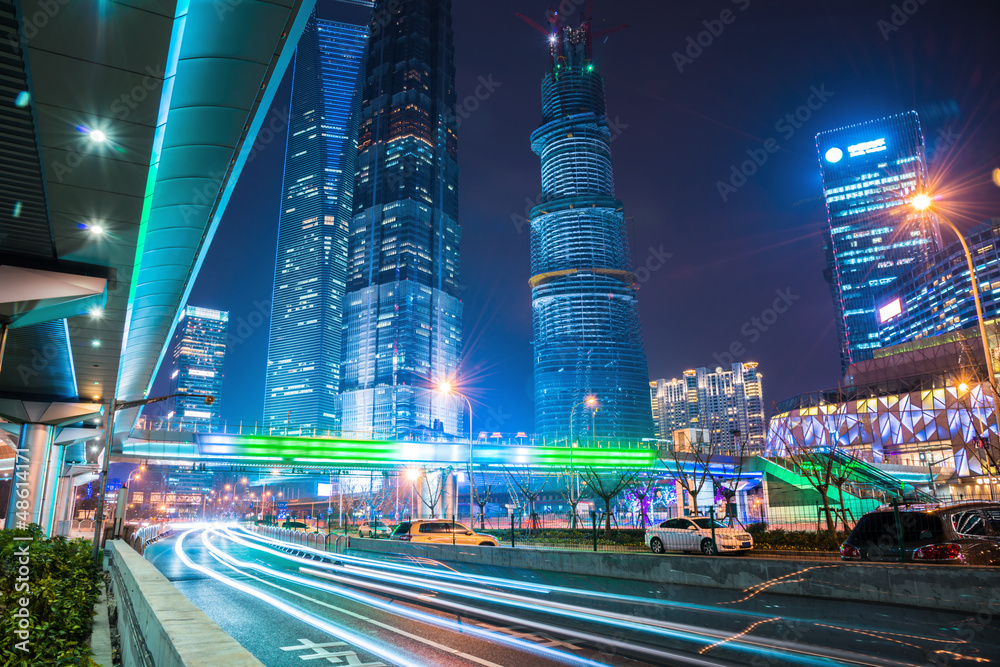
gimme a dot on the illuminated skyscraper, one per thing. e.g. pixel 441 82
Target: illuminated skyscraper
pixel 871 171
pixel 403 316
pixel 587 337
pixel 198 364
pixel 935 299
pixel 303 364
pixel 718 402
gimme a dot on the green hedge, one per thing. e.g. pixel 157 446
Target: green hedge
pixel 62 586
pixel 625 537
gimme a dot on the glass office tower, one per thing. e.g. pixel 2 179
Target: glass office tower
pixel 403 316
pixel 198 364
pixel 936 299
pixel 303 363
pixel 871 172
pixel 587 337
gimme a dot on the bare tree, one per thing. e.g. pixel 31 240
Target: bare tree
pixel 527 483
pixel 606 485
pixel 433 488
pixel 691 463
pixel 568 486
pixel 375 494
pixel 643 487
pixel 823 464
pixel 482 497
pixel 729 486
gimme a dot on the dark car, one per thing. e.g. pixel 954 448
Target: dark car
pixel 965 533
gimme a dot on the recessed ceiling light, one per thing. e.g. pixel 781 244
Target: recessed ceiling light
pixel 95 343
pixel 96 311
pixel 23 99
pixel 98 136
pixel 96 229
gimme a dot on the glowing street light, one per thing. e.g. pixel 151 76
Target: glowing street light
pixel 445 388
pixel 923 202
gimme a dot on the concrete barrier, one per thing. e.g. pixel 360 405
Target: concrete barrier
pixel 924 586
pixel 158 625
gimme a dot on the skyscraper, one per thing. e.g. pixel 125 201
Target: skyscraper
pixel 587 337
pixel 935 299
pixel 197 365
pixel 871 172
pixel 303 364
pixel 718 402
pixel 403 316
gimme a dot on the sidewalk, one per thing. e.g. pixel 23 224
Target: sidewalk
pixel 100 637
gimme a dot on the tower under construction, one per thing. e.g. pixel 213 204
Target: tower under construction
pixel 587 337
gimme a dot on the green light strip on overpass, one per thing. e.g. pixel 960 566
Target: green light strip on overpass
pixel 321 450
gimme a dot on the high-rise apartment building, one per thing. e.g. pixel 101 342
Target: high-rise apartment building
pixel 198 357
pixel 936 298
pixel 714 403
pixel 871 172
pixel 403 315
pixel 587 337
pixel 310 272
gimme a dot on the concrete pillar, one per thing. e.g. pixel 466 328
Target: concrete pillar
pixel 65 500
pixel 27 486
pixel 52 470
pixel 446 502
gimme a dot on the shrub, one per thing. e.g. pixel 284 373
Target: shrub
pixel 63 585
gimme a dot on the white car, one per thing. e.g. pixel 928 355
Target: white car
pixel 695 534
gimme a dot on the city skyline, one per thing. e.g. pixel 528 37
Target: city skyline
pixel 767 232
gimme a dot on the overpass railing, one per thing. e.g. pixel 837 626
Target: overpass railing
pixel 330 542
pixel 225 427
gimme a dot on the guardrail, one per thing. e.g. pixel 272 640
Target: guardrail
pixel 320 541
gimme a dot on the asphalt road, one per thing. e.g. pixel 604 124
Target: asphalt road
pixel 289 606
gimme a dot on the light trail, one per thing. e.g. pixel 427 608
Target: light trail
pixel 675 658
pixel 295 612
pixel 711 637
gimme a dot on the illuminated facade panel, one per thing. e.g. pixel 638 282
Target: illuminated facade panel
pixel 402 325
pixel 940 425
pixel 870 172
pixel 198 359
pixel 718 402
pixel 587 337
pixel 936 299
pixel 310 272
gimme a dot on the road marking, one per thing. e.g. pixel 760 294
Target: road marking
pixel 320 651
pixel 542 638
pixel 360 617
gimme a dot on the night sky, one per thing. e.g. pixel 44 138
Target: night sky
pixel 678 133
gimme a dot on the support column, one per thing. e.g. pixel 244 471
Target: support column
pixel 27 486
pixel 52 470
pixel 65 501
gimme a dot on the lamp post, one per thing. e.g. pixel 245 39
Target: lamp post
pixel 446 388
pixel 924 202
pixel 575 481
pixel 109 431
pixel 128 481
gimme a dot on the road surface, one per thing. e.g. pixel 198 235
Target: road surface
pixel 289 605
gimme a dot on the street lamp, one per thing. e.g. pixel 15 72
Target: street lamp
pixel 591 402
pixel 109 432
pixel 128 486
pixel 923 202
pixel 446 388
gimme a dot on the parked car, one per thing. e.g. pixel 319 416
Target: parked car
pixel 955 533
pixel 374 529
pixel 441 532
pixel 695 534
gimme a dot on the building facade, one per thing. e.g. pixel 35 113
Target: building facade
pixel 715 404
pixel 935 299
pixel 403 316
pixel 587 336
pixel 871 171
pixel 310 272
pixel 198 357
